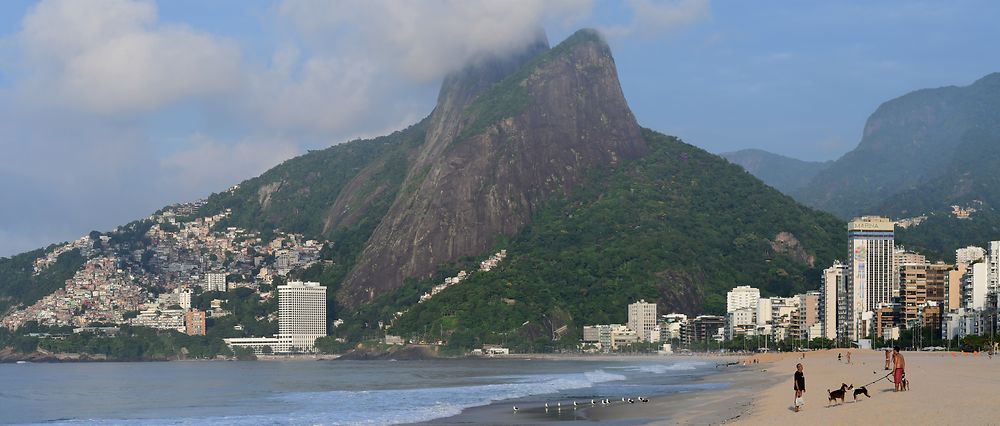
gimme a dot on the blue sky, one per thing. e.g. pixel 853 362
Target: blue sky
pixel 110 109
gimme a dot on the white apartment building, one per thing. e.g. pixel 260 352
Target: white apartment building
pixel 975 285
pixel 993 262
pixel 642 318
pixel 742 297
pixel 763 314
pixel 969 255
pixel 301 314
pixel 832 291
pixel 184 298
pixel 871 268
pixel 215 282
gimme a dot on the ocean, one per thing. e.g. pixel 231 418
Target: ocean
pixel 322 392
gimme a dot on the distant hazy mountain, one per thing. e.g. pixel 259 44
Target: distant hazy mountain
pixel 912 143
pixel 785 174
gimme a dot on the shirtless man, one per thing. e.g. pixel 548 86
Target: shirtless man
pixel 898 364
pixel 888 354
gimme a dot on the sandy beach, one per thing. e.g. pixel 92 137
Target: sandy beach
pixel 945 388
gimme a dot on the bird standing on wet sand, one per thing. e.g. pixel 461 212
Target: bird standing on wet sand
pixel 515 408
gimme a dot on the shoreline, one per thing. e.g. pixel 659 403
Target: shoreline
pixel 718 397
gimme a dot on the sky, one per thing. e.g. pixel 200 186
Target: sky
pixel 112 109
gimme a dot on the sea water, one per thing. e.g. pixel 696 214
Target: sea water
pixel 320 392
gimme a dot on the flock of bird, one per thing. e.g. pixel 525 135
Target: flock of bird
pixel 594 402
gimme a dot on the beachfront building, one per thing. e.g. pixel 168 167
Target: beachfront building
pixel 953 291
pixel 937 282
pixel 740 322
pixel 215 281
pixel 871 269
pixel 671 326
pixel 912 291
pixel 993 266
pixel 764 312
pixel 642 318
pixel 301 314
pixel 832 292
pixel 194 323
pixel 301 320
pixel 805 316
pixel 703 328
pixel 742 297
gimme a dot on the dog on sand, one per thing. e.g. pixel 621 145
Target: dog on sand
pixel 834 395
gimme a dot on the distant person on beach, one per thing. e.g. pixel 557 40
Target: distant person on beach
pixel 898 364
pixel 848 357
pixel 800 386
pixel 839 359
pixel 888 354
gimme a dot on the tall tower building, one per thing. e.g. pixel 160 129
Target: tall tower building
pixel 642 318
pixel 871 268
pixel 832 297
pixel 301 314
pixel 993 263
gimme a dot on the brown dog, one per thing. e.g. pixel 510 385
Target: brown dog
pixel 838 394
pixel 904 384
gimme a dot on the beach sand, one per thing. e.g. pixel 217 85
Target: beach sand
pixel 944 389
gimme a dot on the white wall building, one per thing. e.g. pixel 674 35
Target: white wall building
pixel 764 313
pixel 742 297
pixel 969 255
pixel 871 267
pixel 215 282
pixel 642 317
pixel 301 314
pixel 834 284
pixel 974 286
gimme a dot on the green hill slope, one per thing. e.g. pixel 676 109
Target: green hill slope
pixel 679 227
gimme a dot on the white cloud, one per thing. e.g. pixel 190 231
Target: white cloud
pixel 425 40
pixel 113 57
pixel 650 17
pixel 205 163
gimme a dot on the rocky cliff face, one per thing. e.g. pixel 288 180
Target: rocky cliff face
pixel 495 151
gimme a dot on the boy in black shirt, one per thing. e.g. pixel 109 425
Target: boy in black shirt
pixel 800 386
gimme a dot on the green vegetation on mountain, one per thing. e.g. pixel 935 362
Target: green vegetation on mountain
pixel 907 142
pixel 19 284
pixel 679 227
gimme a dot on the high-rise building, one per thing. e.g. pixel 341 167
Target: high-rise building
pixel 301 314
pixel 805 316
pixel 215 282
pixel 871 268
pixel 642 318
pixel 993 264
pixel 912 291
pixel 742 297
pixel 974 286
pixel 833 284
pixel 937 282
pixel 194 323
pixel 764 314
pixel 953 291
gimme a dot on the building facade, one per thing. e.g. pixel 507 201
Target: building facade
pixel 194 323
pixel 871 269
pixel 301 314
pixel 833 285
pixel 642 318
pixel 742 297
pixel 215 282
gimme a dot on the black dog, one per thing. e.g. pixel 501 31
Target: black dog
pixel 839 393
pixel 861 391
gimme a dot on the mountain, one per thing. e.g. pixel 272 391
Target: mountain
pixel 536 153
pixel 908 142
pixel 785 174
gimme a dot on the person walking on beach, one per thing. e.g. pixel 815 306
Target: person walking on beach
pixel 799 386
pixel 888 354
pixel 848 357
pixel 838 357
pixel 898 364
